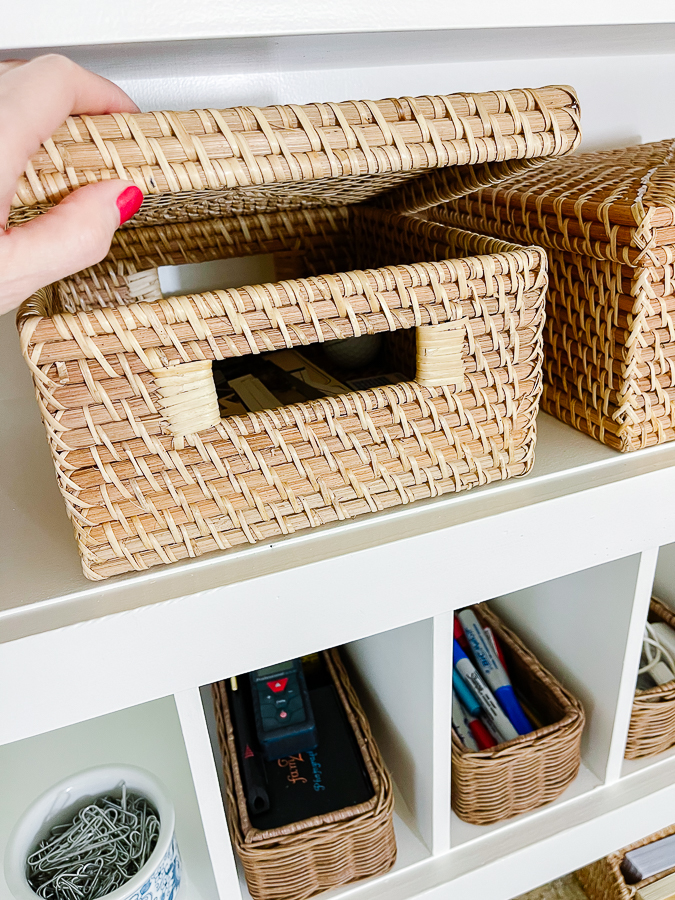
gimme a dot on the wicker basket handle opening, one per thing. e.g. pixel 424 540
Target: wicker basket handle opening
pixel 188 398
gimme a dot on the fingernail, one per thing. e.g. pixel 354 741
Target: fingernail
pixel 129 202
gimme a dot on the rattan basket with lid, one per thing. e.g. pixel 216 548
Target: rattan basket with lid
pixel 149 471
pixel 608 222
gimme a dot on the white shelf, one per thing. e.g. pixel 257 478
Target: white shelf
pixel 568 511
pixel 148 736
pixel 80 22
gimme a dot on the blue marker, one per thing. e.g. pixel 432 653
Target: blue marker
pixel 493 671
pixel 491 709
pixel 464 695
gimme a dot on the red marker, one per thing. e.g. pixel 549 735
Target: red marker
pixel 459 635
pixel 480 734
pixel 490 635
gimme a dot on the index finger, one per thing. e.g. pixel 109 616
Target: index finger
pixel 38 96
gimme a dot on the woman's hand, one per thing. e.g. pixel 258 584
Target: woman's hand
pixel 35 99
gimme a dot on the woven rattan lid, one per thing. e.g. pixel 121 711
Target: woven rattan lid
pixel 610 204
pixel 210 162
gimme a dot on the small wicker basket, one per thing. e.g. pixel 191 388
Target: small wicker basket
pixel 520 775
pixel 603 880
pixel 652 722
pixel 305 858
pixel 149 471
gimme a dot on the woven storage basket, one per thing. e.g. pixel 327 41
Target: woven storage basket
pixel 520 775
pixel 317 854
pixel 652 722
pixel 608 220
pixel 149 472
pixel 603 880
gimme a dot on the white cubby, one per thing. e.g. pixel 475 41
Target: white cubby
pixel 148 736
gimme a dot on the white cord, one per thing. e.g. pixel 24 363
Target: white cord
pixel 651 640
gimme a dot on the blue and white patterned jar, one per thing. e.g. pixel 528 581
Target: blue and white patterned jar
pixel 159 879
pixel 164 882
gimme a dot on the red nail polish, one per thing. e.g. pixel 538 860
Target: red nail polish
pixel 129 202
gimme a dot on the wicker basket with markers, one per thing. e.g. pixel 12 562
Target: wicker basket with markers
pixel 496 779
pixel 302 858
pixel 652 721
pixel 151 467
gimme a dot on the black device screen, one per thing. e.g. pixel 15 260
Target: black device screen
pixel 315 782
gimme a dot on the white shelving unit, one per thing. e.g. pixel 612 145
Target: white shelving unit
pixel 112 671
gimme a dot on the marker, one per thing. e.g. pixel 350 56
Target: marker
pixel 481 734
pixel 459 634
pixel 461 726
pixel 493 671
pixel 250 762
pixel 464 695
pixel 496 646
pixel 482 692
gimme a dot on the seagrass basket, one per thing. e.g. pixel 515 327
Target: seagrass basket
pixel 520 775
pixel 314 855
pixel 603 880
pixel 608 222
pixel 149 470
pixel 652 722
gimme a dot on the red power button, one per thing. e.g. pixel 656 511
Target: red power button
pixel 278 685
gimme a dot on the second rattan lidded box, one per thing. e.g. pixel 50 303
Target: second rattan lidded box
pixel 149 471
pixel 608 222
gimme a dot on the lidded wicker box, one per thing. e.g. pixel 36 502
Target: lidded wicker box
pixel 149 471
pixel 531 770
pixel 608 221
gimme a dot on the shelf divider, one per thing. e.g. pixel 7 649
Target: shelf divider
pixel 644 584
pixel 207 788
pixel 441 730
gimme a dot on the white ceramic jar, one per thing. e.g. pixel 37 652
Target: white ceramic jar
pixel 158 879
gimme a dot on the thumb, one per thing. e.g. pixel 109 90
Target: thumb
pixel 70 237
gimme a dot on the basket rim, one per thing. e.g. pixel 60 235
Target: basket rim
pixel 29 317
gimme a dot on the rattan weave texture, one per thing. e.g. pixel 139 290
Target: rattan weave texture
pixel 608 221
pixel 652 721
pixel 142 490
pixel 603 880
pixel 302 859
pixel 518 776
